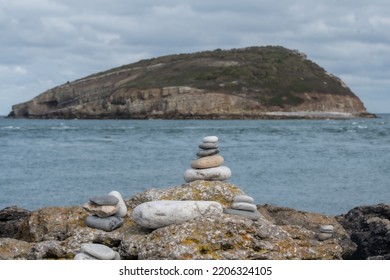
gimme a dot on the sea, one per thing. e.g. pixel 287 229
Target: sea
pixel 323 166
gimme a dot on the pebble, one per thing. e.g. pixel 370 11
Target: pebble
pixel 122 212
pixel 84 256
pixel 244 206
pixel 101 210
pixel 98 251
pixel 104 200
pixel 219 173
pixel 322 236
pixel 247 214
pixel 106 224
pixel 205 153
pixel 160 213
pixel 327 229
pixel 243 198
pixel 207 146
pixel 210 139
pixel 207 162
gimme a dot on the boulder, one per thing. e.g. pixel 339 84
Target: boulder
pixel 11 219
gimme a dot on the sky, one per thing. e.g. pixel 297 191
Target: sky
pixel 45 43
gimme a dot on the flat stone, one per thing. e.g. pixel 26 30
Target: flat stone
pixel 207 162
pixel 101 210
pixel 84 257
pixel 161 213
pixel 322 236
pixel 244 206
pixel 327 229
pixel 98 251
pixel 219 173
pixel 106 224
pixel 247 214
pixel 210 139
pixel 243 198
pixel 104 200
pixel 208 146
pixel 205 153
pixel 122 212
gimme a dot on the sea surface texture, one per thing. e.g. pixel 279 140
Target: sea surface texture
pixel 325 166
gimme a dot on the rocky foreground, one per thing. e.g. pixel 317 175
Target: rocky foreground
pixel 279 233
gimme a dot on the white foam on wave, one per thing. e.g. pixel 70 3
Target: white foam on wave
pixel 11 127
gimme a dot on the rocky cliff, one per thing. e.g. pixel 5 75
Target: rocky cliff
pixel 280 233
pixel 255 82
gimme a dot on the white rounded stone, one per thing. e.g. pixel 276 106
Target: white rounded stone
pixel 210 139
pixel 243 198
pixel 122 205
pixel 327 229
pixel 98 251
pixel 219 173
pixel 244 206
pixel 160 213
pixel 84 257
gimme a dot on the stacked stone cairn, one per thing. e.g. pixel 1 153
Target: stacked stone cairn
pixel 108 211
pixel 90 251
pixel 208 166
pixel 326 232
pixel 243 206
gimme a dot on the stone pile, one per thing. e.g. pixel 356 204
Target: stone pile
pixel 243 206
pixel 326 232
pixel 108 211
pixel 89 251
pixel 209 165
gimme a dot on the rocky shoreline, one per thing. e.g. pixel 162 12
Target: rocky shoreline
pixel 278 233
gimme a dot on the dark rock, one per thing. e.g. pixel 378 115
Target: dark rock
pixel 11 219
pixel 104 200
pixel 369 228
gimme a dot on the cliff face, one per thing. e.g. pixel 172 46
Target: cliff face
pixel 257 82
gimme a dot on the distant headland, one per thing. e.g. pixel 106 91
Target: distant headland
pixel 269 82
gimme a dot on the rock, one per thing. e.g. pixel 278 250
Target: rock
pixel 322 236
pixel 205 153
pixel 104 200
pixel 98 251
pixel 51 249
pixel 243 198
pixel 122 212
pixel 11 218
pixel 253 215
pixel 327 229
pixel 160 213
pixel 369 228
pixel 207 162
pixel 101 211
pixel 220 173
pixel 84 257
pixel 13 249
pixel 207 146
pixel 210 139
pixel 244 206
pixel 106 224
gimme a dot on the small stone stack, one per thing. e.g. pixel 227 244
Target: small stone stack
pixel 108 211
pixel 208 166
pixel 243 206
pixel 326 232
pixel 90 251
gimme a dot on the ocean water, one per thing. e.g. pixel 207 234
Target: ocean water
pixel 325 166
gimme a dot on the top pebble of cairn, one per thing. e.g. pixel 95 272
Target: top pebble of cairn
pixel 208 166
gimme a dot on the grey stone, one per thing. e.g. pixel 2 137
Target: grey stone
pixel 160 213
pixel 206 153
pixel 106 224
pixel 322 236
pixel 122 205
pixel 247 214
pixel 104 200
pixel 210 139
pixel 117 256
pixel 327 229
pixel 98 251
pixel 101 210
pixel 207 146
pixel 243 198
pixel 219 173
pixel 244 206
pixel 84 257
pixel 207 162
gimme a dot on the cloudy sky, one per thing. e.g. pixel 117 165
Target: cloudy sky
pixel 44 43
